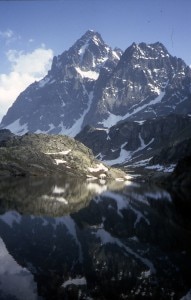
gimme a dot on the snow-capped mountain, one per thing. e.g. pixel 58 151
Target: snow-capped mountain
pixel 59 102
pixel 93 84
pixel 147 83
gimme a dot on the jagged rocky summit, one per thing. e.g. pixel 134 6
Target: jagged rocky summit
pixel 92 84
pixel 60 101
pixel 50 155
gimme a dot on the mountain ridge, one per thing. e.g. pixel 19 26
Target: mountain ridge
pixel 155 144
pixel 91 83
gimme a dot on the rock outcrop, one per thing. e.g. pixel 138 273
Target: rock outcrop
pixel 40 154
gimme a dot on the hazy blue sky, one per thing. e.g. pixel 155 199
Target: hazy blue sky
pixel 31 32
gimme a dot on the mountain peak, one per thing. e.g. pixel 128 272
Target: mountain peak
pixel 90 37
pixel 91 33
pixel 90 52
pixel 93 84
pixel 139 51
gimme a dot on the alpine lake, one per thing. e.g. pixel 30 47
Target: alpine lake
pixel 64 238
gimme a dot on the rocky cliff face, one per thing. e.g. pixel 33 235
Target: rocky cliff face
pixel 147 143
pixel 34 154
pixel 91 84
pixel 59 102
pixel 147 83
pixel 181 177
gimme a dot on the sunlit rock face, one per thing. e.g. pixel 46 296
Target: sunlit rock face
pixel 120 243
pixel 46 155
pixel 93 84
pixel 59 102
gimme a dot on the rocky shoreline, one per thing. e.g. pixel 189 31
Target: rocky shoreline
pixel 58 155
pixel 50 155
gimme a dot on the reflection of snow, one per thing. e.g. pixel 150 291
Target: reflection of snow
pixel 96 187
pixel 55 198
pixel 58 190
pixel 11 217
pixel 122 203
pixel 158 195
pixel 187 296
pixel 75 281
pixel 71 227
pixel 15 281
pixel 107 238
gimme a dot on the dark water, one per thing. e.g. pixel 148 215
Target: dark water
pixel 66 239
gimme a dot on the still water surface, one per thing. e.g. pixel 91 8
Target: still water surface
pixel 68 239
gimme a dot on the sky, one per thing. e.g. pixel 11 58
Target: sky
pixel 33 31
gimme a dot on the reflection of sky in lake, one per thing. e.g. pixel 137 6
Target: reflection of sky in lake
pixel 129 235
pixel 15 280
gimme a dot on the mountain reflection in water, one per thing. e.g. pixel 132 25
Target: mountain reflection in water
pixel 68 239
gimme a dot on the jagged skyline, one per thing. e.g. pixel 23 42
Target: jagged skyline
pixel 91 84
pixel 31 32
